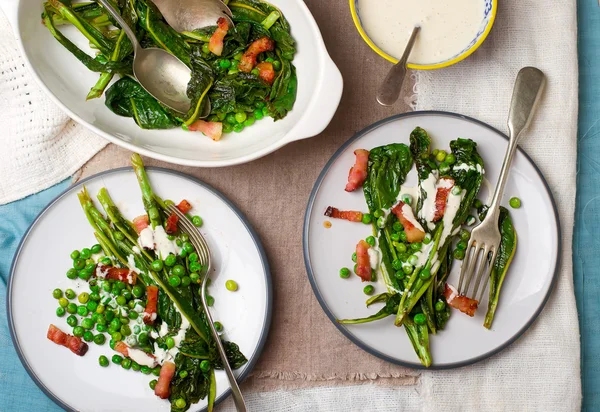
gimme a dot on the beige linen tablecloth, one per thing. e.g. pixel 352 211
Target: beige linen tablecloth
pixel 273 192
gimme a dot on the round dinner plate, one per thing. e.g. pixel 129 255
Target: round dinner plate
pixel 42 260
pixel 464 340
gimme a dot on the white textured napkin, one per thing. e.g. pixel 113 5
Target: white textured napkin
pixel 541 371
pixel 39 144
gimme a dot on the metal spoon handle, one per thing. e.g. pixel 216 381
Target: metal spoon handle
pixel 392 84
pixel 124 26
pixel 238 399
pixel 526 94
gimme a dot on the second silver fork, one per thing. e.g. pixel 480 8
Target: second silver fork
pixel 485 237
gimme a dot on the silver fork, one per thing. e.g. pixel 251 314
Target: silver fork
pixel 201 247
pixel 485 237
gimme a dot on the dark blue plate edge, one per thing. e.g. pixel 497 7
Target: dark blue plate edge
pixel 322 302
pixel 266 268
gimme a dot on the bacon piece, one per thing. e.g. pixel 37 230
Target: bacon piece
pixel 358 172
pixel 215 45
pixel 122 348
pixel 171 224
pixel 266 72
pixel 413 229
pixel 140 223
pixel 75 344
pixel 444 187
pixel 350 215
pixel 248 60
pixel 122 274
pixel 363 262
pixel 214 130
pixel 163 386
pixel 151 302
pixel 460 302
pixel 184 206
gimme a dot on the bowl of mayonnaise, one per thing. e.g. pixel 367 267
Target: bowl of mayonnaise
pixel 450 29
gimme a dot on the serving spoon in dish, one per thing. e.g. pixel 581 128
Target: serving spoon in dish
pixel 189 15
pixel 392 84
pixel 160 73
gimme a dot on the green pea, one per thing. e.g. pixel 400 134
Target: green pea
pixel 369 289
pixel 470 220
pixel 116 336
pixel 87 323
pixel 156 371
pixel 416 246
pixel 63 302
pixel 106 261
pixel 91 306
pixel 85 253
pixel 258 114
pixel 195 267
pixel 174 280
pixel 72 308
pixel 82 310
pixel 72 273
pixel 397 227
pixel 514 202
pixel 126 294
pixel 124 320
pixel 427 239
pixel 249 121
pixel 378 213
pixel 137 291
pixel 439 305
pixel 420 319
pixel 400 274
pixel 356 269
pixel 96 248
pixel 440 156
pixel 95 297
pixel 450 159
pixel 193 257
pixel 462 245
pixel 74 254
pixel 238 127
pixel 88 336
pixel 240 117
pixel 84 274
pixel 344 273
pixel 465 234
pixel 403 236
pixel 205 366
pixel 125 330
pixel 259 105
pixel 197 221
pixel 78 331
pixel 231 285
pixel 397 264
pixel 152 383
pixel 277 65
pixel 218 326
pixel 109 315
pixel 188 247
pixel 146 370
pixel 57 293
pixel 116 359
pixel 354 257
pixel 381 222
pixel 121 301
pixel 101 328
pixel 79 263
pixel 103 361
pixel 180 403
pixel 407 269
pixel 157 265
pixel 255 72
pixel 183 374
pixel 170 260
pixel 371 240
pixel 107 287
pixel 170 342
pixel 178 242
pixel 458 254
pixel 425 274
pixel 224 63
pixel 230 119
pixel 143 338
pixel 136 367
pixel 114 325
pixel 477 204
pixel 210 300
pixel 444 168
pixel 60 311
pixel 178 270
pixel 194 277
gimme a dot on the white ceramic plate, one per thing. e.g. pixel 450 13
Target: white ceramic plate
pixel 464 341
pixel 42 260
pixel 67 82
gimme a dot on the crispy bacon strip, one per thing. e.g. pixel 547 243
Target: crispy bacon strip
pixel 151 302
pixel 214 130
pixel 122 274
pixel 350 215
pixel 122 348
pixel 266 72
pixel 460 302
pixel 358 172
pixel 404 213
pixel 163 386
pixel 444 187
pixel 140 223
pixel 184 206
pixel 215 44
pixel 75 344
pixel 248 60
pixel 171 224
pixel 363 263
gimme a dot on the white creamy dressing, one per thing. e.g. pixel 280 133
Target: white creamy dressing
pixel 136 250
pixel 101 273
pixel 158 240
pixel 141 357
pixel 97 256
pixel 429 186
pixel 452 205
pixel 413 192
pixel 374 254
pixel 447 27
pixel 163 355
pixel 131 265
pixel 407 213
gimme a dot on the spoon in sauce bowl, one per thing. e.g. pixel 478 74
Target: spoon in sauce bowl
pixel 389 91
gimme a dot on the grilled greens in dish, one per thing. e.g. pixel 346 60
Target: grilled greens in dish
pixel 245 70
pixel 144 279
pixel 419 232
